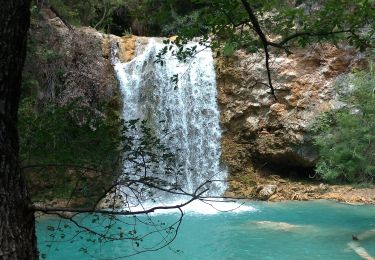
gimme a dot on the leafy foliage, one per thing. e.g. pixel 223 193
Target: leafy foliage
pixel 79 151
pixel 345 137
pixel 226 25
pixel 313 20
pixel 227 21
pixel 60 131
pixel 56 134
pixel 95 13
pixel 61 137
pixel 230 25
pixel 142 17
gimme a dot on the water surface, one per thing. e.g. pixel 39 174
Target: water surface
pixel 287 230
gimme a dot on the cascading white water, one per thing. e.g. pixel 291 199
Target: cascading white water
pixel 188 110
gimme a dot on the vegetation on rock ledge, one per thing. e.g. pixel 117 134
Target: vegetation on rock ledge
pixel 68 115
pixel 346 137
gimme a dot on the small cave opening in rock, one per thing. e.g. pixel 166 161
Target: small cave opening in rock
pixel 284 171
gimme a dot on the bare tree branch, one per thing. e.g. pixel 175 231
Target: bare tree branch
pixel 123 213
pixel 256 27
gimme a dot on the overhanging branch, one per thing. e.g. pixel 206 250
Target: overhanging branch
pixel 282 44
pixel 107 212
pixel 265 43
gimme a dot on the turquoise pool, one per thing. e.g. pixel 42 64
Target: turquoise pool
pixel 286 230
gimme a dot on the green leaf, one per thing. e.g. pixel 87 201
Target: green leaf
pixel 229 49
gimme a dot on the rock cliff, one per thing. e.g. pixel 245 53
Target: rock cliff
pixel 70 63
pixel 275 133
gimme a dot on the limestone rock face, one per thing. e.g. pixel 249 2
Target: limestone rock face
pixel 277 131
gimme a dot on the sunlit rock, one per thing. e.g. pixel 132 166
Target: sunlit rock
pixel 307 83
pixel 265 192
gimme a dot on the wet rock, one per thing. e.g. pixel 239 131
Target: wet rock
pixel 265 192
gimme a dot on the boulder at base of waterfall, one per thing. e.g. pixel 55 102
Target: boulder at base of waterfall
pixel 264 192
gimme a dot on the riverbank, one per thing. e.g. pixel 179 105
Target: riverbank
pixel 275 188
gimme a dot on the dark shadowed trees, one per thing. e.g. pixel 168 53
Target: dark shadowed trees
pixel 17 224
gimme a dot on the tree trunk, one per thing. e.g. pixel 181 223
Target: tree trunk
pixel 17 223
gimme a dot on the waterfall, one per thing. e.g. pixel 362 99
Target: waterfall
pixel 187 109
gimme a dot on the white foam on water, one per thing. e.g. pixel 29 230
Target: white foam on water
pixel 198 207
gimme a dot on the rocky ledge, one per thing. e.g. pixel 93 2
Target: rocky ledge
pixel 276 189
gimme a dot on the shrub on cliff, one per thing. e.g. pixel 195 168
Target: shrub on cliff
pixel 345 137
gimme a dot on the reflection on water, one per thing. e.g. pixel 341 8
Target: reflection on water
pixel 280 226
